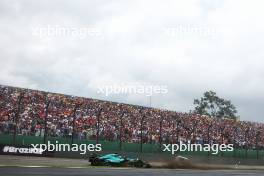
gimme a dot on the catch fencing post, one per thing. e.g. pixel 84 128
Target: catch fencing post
pixel 257 141
pixel 178 124
pixel 120 131
pixel 98 125
pixel 160 133
pixel 234 142
pixel 178 131
pixel 173 133
pixel 141 131
pixel 21 95
pixel 246 143
pixel 46 118
pixel 222 139
pixel 74 119
pixel 208 136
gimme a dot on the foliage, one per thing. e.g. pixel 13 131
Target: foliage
pixel 212 105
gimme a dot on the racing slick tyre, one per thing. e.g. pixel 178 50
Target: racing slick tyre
pixel 96 162
pixel 139 163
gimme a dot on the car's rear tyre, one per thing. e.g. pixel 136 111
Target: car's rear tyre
pixel 139 163
pixel 147 166
pixel 95 162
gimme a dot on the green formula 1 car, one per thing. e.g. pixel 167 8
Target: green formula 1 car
pixel 116 160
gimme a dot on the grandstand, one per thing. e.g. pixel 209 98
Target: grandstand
pixel 33 113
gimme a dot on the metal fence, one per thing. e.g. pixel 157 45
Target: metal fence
pixel 120 144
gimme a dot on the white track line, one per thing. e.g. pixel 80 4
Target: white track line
pixel 21 166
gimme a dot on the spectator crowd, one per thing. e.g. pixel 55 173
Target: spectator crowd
pixel 31 112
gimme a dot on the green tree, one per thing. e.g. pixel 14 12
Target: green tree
pixel 212 105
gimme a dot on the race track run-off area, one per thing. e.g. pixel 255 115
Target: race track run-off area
pixel 17 171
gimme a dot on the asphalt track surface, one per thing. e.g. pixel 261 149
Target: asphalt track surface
pixel 17 171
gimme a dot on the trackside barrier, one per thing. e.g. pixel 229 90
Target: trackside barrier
pixel 6 139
